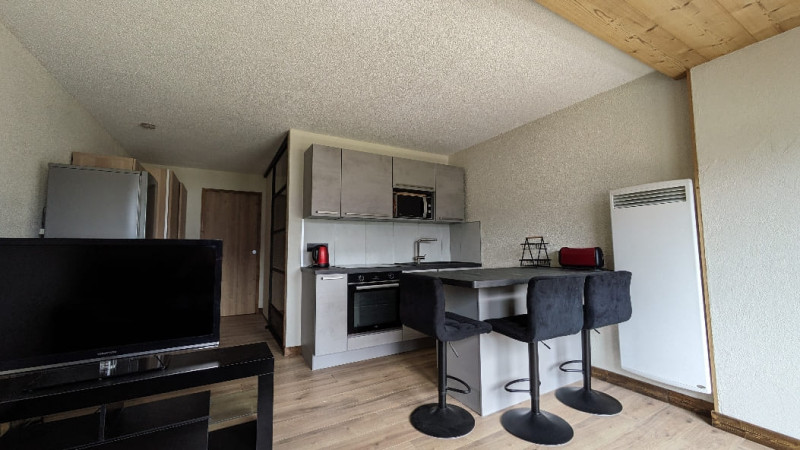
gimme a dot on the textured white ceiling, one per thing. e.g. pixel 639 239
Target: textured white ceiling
pixel 223 81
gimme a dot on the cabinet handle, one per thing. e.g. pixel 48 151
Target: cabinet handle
pixel 366 215
pixel 337 277
pixel 415 187
pixel 327 212
pixel 452 218
pixel 378 286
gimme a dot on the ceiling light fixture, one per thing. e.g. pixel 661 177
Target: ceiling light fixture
pixel 147 126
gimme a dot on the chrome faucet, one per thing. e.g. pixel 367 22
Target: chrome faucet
pixel 417 256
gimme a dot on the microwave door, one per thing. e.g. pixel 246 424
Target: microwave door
pixel 411 205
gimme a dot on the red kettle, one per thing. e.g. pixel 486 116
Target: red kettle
pixel 319 255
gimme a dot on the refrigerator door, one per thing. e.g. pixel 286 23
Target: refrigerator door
pixel 88 202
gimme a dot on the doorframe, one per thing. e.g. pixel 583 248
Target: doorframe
pixel 258 226
pixel 273 192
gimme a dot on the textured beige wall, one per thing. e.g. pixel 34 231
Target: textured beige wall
pixel 39 123
pixel 552 177
pixel 196 180
pixel 747 122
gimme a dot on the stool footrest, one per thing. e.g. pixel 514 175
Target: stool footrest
pixel 520 380
pixel 466 389
pixel 569 369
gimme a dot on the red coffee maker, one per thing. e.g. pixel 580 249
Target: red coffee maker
pixel 319 255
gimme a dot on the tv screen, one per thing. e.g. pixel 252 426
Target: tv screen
pixel 65 301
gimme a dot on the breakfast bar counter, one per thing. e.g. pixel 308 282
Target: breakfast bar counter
pixel 487 362
pixel 503 276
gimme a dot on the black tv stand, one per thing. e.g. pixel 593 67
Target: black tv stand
pixel 151 425
pixel 90 372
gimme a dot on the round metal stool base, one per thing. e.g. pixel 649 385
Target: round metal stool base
pixel 449 422
pixel 589 401
pixel 543 428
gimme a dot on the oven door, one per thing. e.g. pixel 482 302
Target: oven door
pixel 372 307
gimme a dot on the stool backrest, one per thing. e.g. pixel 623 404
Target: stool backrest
pixel 555 307
pixel 422 304
pixel 607 299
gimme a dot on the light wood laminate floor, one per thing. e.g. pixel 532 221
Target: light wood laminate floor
pixel 366 405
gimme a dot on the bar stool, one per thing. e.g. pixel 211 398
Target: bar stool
pixel 422 308
pixel 607 301
pixel 554 310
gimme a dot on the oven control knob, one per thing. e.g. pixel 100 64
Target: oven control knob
pixel 390 276
pixel 360 278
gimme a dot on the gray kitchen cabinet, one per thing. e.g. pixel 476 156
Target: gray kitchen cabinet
pixel 449 195
pixel 322 182
pixel 324 314
pixel 411 174
pixel 366 185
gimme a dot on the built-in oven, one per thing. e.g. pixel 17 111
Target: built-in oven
pixel 373 301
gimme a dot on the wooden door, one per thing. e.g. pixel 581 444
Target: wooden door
pixel 235 217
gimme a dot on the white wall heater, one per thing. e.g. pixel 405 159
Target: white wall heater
pixel 654 230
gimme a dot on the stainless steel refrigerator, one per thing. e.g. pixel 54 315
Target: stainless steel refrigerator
pixel 93 202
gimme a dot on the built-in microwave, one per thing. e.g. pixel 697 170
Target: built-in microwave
pixel 413 204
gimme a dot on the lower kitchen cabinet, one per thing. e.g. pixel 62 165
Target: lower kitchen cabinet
pixel 324 338
pixel 324 311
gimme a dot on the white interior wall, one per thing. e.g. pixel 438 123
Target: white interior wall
pixel 299 141
pixel 552 177
pixel 747 125
pixel 40 124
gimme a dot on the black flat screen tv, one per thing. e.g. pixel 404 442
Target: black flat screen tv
pixel 69 301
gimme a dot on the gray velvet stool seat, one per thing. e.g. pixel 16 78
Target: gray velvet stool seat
pixel 554 310
pixel 422 308
pixel 607 301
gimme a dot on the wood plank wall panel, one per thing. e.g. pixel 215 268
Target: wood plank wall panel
pixel 703 25
pixel 673 36
pixel 766 18
pixel 622 26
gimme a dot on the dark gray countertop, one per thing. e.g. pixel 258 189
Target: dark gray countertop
pixel 433 265
pixel 505 276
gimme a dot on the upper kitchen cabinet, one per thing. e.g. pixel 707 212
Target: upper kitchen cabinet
pixel 322 182
pixel 449 195
pixel 366 185
pixel 411 174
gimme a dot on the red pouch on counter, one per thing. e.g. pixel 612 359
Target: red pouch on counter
pixel 581 258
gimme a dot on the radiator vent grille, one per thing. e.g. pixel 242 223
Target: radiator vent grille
pixel 651 197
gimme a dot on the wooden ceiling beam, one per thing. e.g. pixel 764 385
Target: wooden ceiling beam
pixel 624 27
pixel 703 25
pixel 673 36
pixel 764 18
